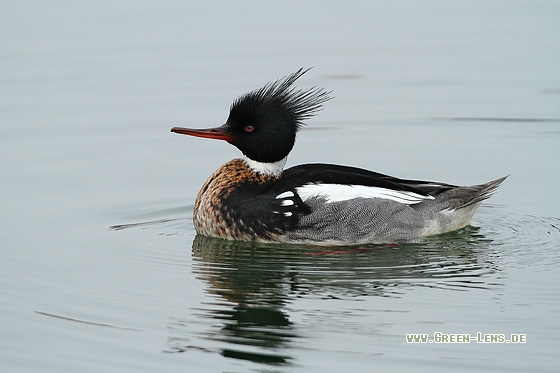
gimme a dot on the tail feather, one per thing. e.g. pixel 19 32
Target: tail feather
pixel 466 196
pixel 453 208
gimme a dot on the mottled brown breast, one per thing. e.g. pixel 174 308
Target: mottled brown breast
pixel 211 216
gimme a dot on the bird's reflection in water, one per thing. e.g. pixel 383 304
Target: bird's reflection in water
pixel 252 285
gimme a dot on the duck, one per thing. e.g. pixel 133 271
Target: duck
pixel 254 198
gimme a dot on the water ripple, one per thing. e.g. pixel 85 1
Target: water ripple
pixel 257 289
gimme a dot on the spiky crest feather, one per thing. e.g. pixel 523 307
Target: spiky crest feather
pixel 300 103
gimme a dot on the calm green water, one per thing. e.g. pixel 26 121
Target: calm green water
pixel 102 269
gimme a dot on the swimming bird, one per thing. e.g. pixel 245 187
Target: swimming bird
pixel 254 198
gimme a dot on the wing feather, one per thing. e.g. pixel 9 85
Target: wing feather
pixel 340 192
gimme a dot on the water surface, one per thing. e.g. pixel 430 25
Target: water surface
pixel 102 269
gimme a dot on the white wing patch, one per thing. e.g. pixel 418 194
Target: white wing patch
pixel 287 194
pixel 340 192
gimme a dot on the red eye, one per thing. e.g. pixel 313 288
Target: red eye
pixel 249 128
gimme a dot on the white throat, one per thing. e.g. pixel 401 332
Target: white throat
pixel 268 169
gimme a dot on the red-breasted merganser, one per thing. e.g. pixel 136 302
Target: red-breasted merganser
pixel 254 199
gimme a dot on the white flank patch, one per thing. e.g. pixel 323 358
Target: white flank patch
pixel 269 169
pixel 340 192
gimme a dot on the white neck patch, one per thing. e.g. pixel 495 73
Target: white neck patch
pixel 268 169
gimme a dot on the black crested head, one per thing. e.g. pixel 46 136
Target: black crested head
pixel 263 123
